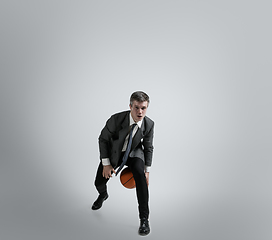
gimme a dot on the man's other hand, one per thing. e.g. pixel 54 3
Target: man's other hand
pixel 107 171
pixel 147 178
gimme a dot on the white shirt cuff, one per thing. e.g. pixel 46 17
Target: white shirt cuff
pixel 106 161
pixel 147 168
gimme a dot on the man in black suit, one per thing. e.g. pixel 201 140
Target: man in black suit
pixel 114 142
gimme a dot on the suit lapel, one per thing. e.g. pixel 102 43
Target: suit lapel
pixel 143 126
pixel 124 131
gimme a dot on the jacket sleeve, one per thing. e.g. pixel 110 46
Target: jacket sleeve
pixel 105 137
pixel 148 146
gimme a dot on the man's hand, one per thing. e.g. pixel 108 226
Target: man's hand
pixel 107 171
pixel 147 178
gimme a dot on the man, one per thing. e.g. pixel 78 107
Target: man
pixel 115 144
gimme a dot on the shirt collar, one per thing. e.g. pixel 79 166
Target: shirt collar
pixel 131 121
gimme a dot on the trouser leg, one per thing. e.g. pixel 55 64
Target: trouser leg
pixel 137 168
pixel 100 182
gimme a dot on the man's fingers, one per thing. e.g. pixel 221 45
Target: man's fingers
pixel 107 172
pixel 105 175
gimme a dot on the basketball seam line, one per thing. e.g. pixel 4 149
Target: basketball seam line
pixel 128 180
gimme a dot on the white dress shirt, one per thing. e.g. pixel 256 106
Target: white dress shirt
pixel 106 161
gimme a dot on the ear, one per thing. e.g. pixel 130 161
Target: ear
pixel 130 106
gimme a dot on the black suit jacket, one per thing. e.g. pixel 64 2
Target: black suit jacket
pixel 112 137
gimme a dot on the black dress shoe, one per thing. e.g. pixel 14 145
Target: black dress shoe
pixel 144 227
pixel 99 201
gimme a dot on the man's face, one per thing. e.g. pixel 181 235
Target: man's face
pixel 138 110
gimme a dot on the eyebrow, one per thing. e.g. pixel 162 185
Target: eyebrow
pixel 139 107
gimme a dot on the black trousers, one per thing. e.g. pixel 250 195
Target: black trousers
pixel 136 166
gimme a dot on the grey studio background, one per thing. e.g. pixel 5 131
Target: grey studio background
pixel 66 66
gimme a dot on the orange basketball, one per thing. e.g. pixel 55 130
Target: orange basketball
pixel 127 179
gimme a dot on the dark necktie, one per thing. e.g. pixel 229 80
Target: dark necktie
pixel 125 157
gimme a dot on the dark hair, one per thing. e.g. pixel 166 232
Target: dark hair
pixel 139 96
